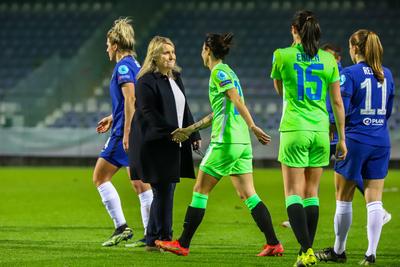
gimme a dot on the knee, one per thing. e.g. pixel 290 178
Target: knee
pixel 96 180
pixel 344 195
pixel 243 195
pixel 371 195
pixel 99 180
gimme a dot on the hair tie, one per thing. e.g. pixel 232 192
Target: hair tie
pixel 227 36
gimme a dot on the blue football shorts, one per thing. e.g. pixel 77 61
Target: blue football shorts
pixel 363 162
pixel 113 152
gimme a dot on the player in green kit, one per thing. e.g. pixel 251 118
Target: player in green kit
pixel 302 75
pixel 229 153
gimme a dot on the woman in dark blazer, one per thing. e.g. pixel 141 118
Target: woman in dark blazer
pixel 161 108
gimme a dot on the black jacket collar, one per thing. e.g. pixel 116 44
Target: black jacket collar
pixel 159 75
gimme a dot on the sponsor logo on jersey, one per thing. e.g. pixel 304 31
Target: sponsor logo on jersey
pixel 122 77
pixel 123 69
pixel 367 121
pixel 226 82
pixel 374 122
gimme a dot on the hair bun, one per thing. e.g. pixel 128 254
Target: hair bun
pixel 219 43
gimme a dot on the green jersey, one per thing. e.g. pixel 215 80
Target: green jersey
pixel 305 84
pixel 227 124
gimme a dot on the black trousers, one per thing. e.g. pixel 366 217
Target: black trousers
pixel 160 221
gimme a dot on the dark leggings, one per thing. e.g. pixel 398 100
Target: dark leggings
pixel 160 221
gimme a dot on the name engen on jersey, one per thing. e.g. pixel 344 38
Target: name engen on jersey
pixel 374 122
pixel 303 57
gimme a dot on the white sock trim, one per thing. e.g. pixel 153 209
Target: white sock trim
pixel 344 207
pixel 374 205
pixel 107 191
pixel 146 196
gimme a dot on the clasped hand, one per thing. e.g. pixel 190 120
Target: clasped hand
pixel 180 135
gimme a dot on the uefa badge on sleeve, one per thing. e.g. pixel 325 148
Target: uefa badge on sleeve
pixel 123 69
pixel 342 79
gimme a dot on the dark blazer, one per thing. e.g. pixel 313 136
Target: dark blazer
pixel 153 156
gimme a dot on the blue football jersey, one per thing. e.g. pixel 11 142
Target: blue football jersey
pixel 330 110
pixel 125 71
pixel 368 104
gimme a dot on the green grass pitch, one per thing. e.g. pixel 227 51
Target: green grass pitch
pixel 54 217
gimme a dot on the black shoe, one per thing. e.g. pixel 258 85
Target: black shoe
pixel 368 260
pixel 122 233
pixel 328 254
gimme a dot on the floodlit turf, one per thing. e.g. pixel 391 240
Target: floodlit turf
pixel 54 217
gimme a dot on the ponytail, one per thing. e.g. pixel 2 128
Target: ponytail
pixel 122 34
pixel 373 55
pixel 309 30
pixel 369 46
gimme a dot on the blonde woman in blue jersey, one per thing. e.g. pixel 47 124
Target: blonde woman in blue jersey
pixel 368 92
pixel 120 48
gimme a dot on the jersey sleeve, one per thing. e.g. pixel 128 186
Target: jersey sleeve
pixel 222 80
pixel 346 88
pixel 335 72
pixel 124 74
pixel 390 86
pixel 276 66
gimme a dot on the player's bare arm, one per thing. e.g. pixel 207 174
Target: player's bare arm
pixel 182 134
pixel 128 90
pixel 234 97
pixel 278 87
pixel 338 111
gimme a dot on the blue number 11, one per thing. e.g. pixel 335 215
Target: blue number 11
pixel 309 78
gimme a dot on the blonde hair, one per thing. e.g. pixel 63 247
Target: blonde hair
pixel 154 51
pixel 369 46
pixel 123 35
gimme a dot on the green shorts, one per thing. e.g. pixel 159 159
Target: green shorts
pixel 227 159
pixel 304 149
